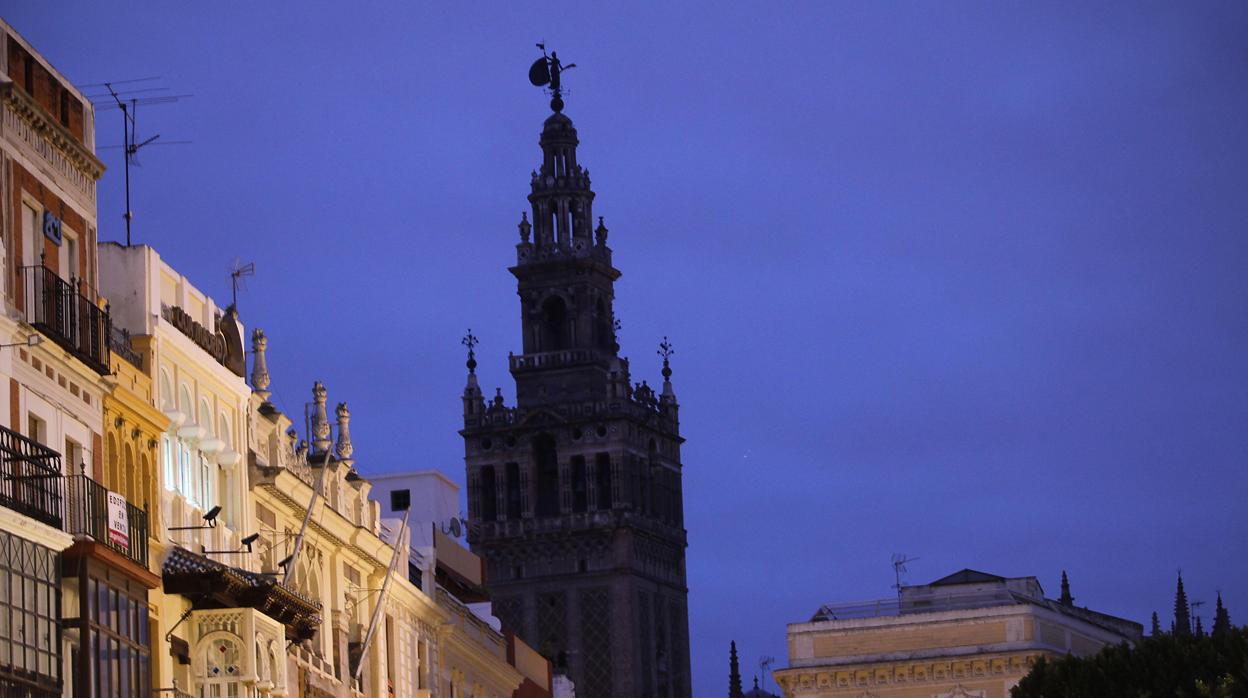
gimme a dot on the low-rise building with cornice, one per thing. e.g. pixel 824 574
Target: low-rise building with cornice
pixel 968 635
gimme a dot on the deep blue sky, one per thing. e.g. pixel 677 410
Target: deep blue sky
pixel 962 281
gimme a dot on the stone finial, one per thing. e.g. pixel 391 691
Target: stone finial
pixel 320 420
pixel 525 227
pixel 343 449
pixel 600 233
pixel 301 450
pixel 259 366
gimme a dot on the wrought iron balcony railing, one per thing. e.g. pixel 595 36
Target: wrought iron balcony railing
pixel 30 478
pixel 89 514
pixel 119 344
pixel 56 308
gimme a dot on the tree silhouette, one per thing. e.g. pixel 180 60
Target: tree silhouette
pixel 1166 666
pixel 1221 619
pixel 1182 612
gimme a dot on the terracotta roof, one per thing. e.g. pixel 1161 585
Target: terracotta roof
pixel 211 584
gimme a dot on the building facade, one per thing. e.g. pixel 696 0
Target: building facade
pixel 74 576
pixel 968 635
pixel 574 493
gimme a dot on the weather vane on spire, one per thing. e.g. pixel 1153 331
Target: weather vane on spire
pixel 666 350
pixel 470 341
pixel 546 71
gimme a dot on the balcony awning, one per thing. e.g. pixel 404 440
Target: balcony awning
pixel 210 584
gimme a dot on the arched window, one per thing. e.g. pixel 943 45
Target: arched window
pixel 555 335
pixel 579 492
pixel 219 664
pixel 112 469
pixel 602 326
pixel 166 392
pixel 489 494
pixel 146 484
pixel 184 401
pixel 602 473
pixel 547 459
pixel 128 484
pixel 514 502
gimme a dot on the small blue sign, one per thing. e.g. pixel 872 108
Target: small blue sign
pixel 52 227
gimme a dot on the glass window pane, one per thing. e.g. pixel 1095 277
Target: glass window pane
pixel 123 678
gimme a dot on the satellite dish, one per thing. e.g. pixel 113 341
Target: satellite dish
pixel 456 529
pixel 539 72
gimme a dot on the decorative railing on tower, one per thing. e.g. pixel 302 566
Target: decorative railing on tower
pixel 56 308
pixel 31 482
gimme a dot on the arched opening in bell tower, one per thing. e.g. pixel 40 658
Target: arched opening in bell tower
pixel 489 494
pixel 546 458
pixel 554 334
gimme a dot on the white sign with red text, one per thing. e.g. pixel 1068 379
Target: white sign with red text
pixel 118 521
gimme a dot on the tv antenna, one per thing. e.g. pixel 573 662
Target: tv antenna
pixel 237 272
pixel 899 568
pixel 125 100
pixel 764 663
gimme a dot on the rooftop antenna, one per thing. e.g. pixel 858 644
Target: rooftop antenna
pixel 130 143
pixel 764 663
pixel 899 568
pixel 237 272
pixel 1196 611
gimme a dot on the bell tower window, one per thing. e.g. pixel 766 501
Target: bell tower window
pixel 554 335
pixel 547 459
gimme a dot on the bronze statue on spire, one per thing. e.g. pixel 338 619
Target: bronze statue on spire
pixel 546 71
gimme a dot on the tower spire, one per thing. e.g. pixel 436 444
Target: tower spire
pixel 1066 599
pixel 734 672
pixel 474 404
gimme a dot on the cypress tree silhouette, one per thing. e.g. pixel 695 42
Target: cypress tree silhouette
pixel 734 673
pixel 1182 612
pixel 1156 631
pixel 1221 619
pixel 1066 599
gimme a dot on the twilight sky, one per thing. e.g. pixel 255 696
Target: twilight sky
pixel 966 282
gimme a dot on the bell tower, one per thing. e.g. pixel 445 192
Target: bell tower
pixel 574 493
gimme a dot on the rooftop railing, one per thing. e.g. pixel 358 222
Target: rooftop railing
pixel 31 482
pixel 880 608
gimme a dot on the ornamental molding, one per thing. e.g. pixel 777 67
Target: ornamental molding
pixel 52 144
pixel 871 676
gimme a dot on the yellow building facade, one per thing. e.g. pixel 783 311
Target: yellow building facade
pixel 968 635
pixel 132 430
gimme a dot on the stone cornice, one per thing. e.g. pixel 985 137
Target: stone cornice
pixel 800 681
pixel 32 113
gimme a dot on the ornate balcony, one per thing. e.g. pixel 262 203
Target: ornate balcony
pixel 30 478
pixel 88 515
pixel 56 308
